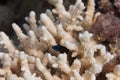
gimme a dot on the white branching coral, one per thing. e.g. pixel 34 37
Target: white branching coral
pixel 81 58
pixel 115 75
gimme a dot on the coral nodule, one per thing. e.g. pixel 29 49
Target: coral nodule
pixel 57 47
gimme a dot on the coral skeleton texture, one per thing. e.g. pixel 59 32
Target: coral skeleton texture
pixel 34 58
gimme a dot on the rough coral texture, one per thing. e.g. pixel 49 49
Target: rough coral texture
pixel 34 58
pixel 106 27
pixel 109 6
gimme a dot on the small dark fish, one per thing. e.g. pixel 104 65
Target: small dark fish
pixel 63 49
pixel 60 48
